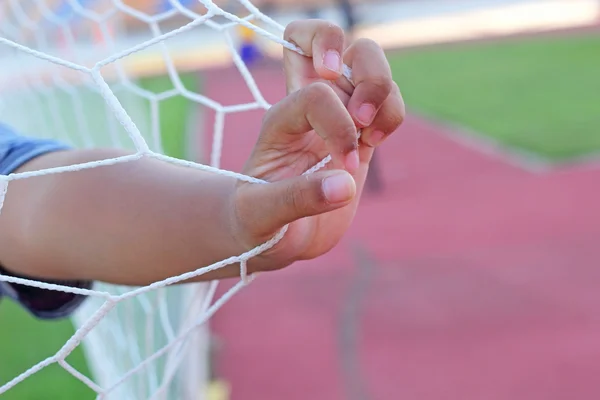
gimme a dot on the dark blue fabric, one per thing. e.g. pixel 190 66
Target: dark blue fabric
pixel 16 150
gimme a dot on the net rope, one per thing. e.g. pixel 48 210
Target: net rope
pixel 199 308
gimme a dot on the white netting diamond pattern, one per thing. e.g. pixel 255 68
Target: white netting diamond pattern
pixel 125 317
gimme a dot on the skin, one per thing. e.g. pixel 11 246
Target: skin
pixel 143 221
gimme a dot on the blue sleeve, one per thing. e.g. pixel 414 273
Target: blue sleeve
pixel 16 150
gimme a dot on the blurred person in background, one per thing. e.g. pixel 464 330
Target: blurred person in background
pixel 249 47
pixel 349 17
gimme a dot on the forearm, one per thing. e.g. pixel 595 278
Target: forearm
pixel 131 223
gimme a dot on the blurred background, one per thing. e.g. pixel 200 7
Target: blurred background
pixel 472 270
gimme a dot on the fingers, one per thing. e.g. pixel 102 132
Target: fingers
pixel 321 40
pixel 388 119
pixel 375 102
pixel 314 107
pixel 372 78
pixel 268 207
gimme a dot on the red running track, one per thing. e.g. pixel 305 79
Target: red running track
pixel 466 279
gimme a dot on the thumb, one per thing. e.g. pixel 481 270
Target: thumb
pixel 265 208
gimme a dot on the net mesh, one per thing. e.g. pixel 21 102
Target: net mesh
pixel 72 58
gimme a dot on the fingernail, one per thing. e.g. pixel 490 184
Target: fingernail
pixel 339 188
pixel 332 60
pixel 375 138
pixel 352 161
pixel 366 114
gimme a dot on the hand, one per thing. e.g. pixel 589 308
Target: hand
pixel 164 220
pixel 320 116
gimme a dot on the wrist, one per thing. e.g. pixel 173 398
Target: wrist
pixel 246 235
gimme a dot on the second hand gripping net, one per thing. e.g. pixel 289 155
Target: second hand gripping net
pixel 136 340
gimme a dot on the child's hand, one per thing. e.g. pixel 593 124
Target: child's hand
pixel 320 116
pixel 164 220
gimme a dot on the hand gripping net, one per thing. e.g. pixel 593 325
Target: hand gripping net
pixel 136 339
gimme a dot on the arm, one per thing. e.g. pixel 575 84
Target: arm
pixel 142 221
pixel 96 224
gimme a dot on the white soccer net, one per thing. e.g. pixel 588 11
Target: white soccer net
pixel 69 70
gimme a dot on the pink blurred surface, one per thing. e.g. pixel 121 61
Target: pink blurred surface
pixel 468 278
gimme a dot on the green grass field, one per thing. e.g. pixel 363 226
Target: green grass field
pixel 541 95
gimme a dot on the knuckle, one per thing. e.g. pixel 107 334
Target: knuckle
pixel 291 29
pixel 333 31
pixel 319 89
pixel 401 114
pixel 394 121
pixel 400 107
pixel 383 85
pixel 317 93
pixel 348 135
pixel 367 44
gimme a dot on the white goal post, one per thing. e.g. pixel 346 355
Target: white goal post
pixel 77 64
